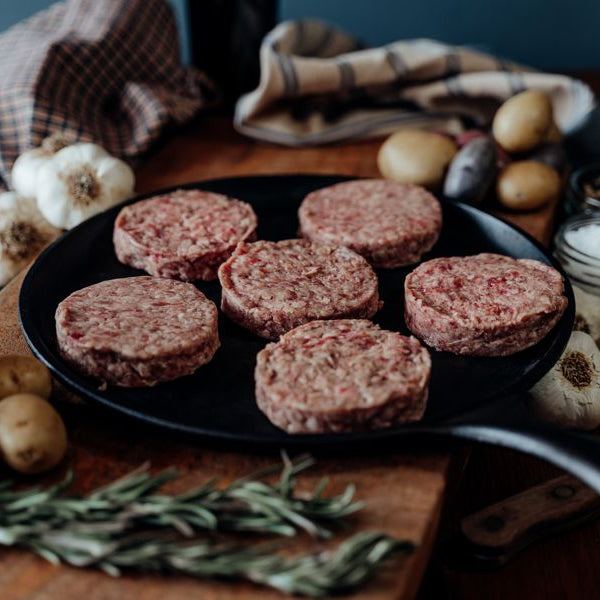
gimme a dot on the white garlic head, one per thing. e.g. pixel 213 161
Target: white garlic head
pixel 26 168
pixel 80 181
pixel 569 394
pixel 23 233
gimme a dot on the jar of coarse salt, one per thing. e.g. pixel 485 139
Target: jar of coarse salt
pixel 577 248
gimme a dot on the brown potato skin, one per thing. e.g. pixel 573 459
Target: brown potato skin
pixel 33 438
pixel 523 121
pixel 24 374
pixel 416 156
pixel 527 185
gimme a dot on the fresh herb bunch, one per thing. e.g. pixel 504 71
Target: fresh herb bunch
pixel 128 525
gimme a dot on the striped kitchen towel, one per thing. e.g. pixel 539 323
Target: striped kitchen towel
pixel 318 85
pixel 106 71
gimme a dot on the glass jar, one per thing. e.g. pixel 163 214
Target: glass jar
pixel 578 199
pixel 583 269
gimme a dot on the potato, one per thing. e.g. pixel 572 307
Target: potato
pixel 32 434
pixel 523 121
pixel 21 374
pixel 471 171
pixel 416 156
pixel 527 185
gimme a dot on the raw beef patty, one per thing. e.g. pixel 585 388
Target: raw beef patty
pixel 137 331
pixel 391 224
pixel 183 235
pixel 483 305
pixel 345 375
pixel 272 287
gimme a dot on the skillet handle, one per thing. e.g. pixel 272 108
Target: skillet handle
pixel 575 452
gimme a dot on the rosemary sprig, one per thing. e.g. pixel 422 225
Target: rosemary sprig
pixel 128 525
pixel 247 504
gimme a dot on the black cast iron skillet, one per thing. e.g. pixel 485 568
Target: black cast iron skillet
pixel 469 397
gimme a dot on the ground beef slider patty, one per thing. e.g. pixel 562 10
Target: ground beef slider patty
pixel 345 375
pixel 272 287
pixel 137 331
pixel 183 235
pixel 391 224
pixel 483 305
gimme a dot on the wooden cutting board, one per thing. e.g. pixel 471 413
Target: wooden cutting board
pixel 404 495
pixel 404 492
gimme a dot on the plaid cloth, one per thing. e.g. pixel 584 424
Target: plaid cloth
pixel 106 71
pixel 319 85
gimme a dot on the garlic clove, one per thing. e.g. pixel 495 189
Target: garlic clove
pixel 587 313
pixel 81 181
pixel 82 152
pixel 117 178
pixel 23 233
pixel 26 167
pixel 569 394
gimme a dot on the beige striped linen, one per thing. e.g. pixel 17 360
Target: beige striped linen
pixel 318 85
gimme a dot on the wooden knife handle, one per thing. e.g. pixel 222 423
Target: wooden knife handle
pixel 531 514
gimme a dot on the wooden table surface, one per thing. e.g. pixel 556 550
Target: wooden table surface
pixel 404 491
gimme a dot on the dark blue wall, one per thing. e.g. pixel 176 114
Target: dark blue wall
pixel 548 34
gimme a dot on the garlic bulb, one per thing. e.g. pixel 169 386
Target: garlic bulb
pixel 79 181
pixel 23 233
pixel 25 170
pixel 569 395
pixel 587 313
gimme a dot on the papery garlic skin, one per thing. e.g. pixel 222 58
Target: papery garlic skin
pixel 80 181
pixel 23 233
pixel 25 170
pixel 587 313
pixel 558 400
pixel 27 166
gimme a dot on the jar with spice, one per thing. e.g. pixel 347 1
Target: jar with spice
pixel 583 193
pixel 577 247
